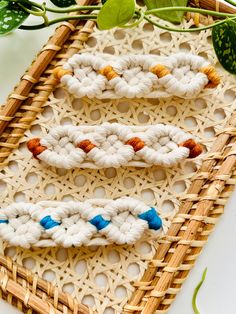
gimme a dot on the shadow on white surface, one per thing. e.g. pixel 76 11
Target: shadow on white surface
pixel 6 308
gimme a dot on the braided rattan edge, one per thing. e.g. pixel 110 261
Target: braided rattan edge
pixel 38 82
pixel 26 290
pixel 190 228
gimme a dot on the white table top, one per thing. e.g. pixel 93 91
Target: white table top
pixel 217 295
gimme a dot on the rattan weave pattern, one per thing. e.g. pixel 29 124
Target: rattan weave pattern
pixel 79 271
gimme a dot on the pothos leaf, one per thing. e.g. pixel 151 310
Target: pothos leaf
pixel 11 17
pixel 224 42
pixel 173 16
pixel 115 13
pixel 63 3
pixel 3 4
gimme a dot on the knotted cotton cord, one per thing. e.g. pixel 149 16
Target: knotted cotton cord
pixel 137 76
pixel 114 145
pixel 66 224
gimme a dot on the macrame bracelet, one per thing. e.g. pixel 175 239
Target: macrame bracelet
pixel 114 145
pixel 66 224
pixel 136 76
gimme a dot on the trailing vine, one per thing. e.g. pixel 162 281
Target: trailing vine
pixel 195 293
pixel 126 14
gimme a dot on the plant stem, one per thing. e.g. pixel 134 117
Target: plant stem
pixel 231 2
pixel 76 17
pixel 41 12
pixel 74 9
pixel 187 9
pixel 36 13
pixel 139 15
pixel 194 305
pixel 32 27
pixel 189 30
pixel 61 19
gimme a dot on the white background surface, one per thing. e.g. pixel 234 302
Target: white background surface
pixel 218 294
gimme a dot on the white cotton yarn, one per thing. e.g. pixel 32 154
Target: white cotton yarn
pixel 135 78
pixel 112 146
pixel 66 224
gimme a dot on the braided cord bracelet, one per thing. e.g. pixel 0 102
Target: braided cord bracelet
pixel 66 224
pixel 135 76
pixel 114 145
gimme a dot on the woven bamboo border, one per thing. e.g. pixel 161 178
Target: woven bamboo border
pixel 28 97
pixel 190 229
pixel 214 5
pixel 27 291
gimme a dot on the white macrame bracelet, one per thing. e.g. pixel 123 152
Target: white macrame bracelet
pixel 114 145
pixel 66 224
pixel 135 76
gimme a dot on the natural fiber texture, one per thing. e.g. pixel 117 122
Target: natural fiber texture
pixel 101 276
pixel 215 5
pixel 31 294
pixel 72 224
pixel 114 145
pixel 137 76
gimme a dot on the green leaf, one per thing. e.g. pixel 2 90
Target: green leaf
pixel 63 3
pixel 224 42
pixel 231 2
pixel 11 17
pixel 115 13
pixel 173 16
pixel 3 4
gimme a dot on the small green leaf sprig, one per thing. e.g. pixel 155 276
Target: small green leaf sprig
pixel 125 14
pixel 195 293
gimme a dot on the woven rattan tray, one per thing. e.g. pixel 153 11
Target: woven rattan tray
pixel 140 278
